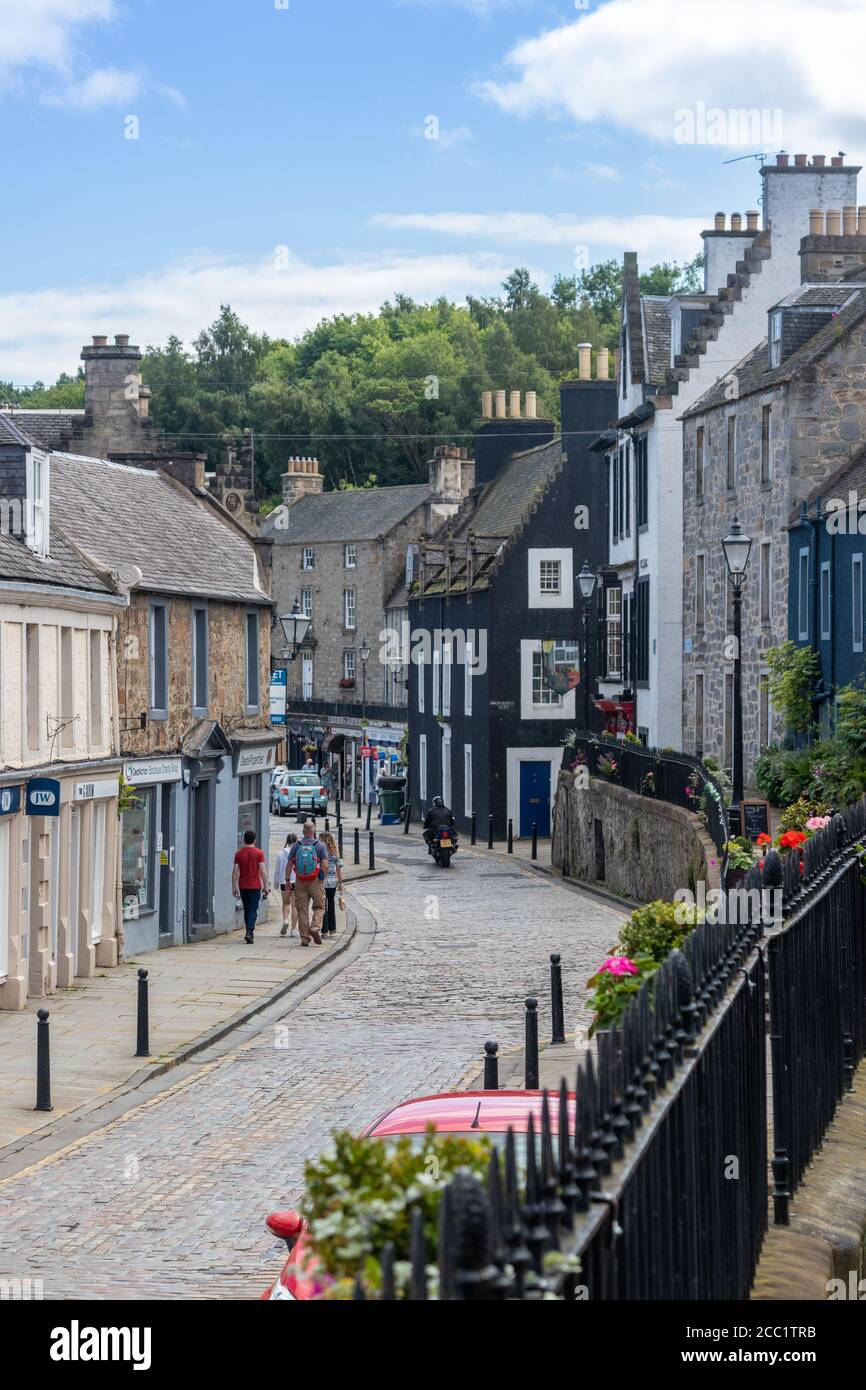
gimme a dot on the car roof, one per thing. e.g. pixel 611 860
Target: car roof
pixel 493 1111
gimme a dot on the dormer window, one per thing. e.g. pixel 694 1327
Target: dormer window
pixel 775 338
pixel 36 521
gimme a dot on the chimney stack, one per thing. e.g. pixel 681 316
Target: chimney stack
pixel 302 476
pixel 487 405
pixel 584 361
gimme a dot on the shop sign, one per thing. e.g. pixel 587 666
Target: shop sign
pixel 255 760
pixel 42 797
pixel 95 791
pixel 152 770
pixel 278 696
pixel 10 800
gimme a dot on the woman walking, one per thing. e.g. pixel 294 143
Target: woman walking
pixel 284 878
pixel 333 882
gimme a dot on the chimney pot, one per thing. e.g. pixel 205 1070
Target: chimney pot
pixel 100 341
pixel 849 221
pixel 816 222
pixel 720 222
pixel 781 161
pixel 834 222
pixel 736 222
pixel 121 340
pixel 602 364
pixel 584 361
pixel 500 405
pixel 800 161
pixel 837 162
pixel 487 405
pixel 531 405
pixel 752 220
pixel 819 160
pixel 514 405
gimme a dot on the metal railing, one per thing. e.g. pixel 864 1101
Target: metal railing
pixel 352 709
pixel 662 774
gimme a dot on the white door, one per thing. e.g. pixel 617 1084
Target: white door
pixel 5 865
pixel 74 879
pixel 307 677
pixel 54 880
pixel 97 887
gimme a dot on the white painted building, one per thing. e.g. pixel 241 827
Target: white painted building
pixel 671 351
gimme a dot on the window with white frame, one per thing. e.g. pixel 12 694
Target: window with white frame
pixel 803 596
pixel 349 665
pixel 467 779
pixel 36 520
pixel 826 602
pixel 447 660
pixel 437 666
pixel 775 339
pixel 308 558
pixel 350 556
pixel 349 609
pixel 566 657
pixel 422 767
pixel 307 601
pixel 550 577
pixel 306 676
pixel 158 656
pixel 613 629
pixel 467 679
pixel 857 602
pixel 765 573
pixel 420 668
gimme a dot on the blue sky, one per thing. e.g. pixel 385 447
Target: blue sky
pixel 281 161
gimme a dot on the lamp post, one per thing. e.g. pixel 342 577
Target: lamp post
pixel 586 580
pixel 295 627
pixel 737 548
pixel 365 657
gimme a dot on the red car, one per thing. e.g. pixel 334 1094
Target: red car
pixel 469 1113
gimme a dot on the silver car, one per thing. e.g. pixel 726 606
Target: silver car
pixel 298 791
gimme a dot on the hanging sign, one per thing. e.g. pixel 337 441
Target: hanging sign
pixel 10 800
pixel 42 797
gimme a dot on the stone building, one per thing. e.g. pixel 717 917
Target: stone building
pixel 60 613
pixel 789 415
pixel 672 350
pixel 342 557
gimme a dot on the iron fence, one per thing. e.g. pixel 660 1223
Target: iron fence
pixel 663 774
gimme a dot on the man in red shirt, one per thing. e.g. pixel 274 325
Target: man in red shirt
pixel 249 881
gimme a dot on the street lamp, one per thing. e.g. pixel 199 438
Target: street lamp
pixel 295 627
pixel 586 580
pixel 737 548
pixel 365 657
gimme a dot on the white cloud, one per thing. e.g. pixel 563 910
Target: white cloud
pixel 602 171
pixel 42 332
pixel 103 87
pixel 671 238
pixel 635 63
pixel 441 138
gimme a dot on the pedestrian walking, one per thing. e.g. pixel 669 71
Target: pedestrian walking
pixel 284 878
pixel 333 882
pixel 250 881
pixel 308 858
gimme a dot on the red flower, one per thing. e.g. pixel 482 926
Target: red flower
pixel 764 839
pixel 792 839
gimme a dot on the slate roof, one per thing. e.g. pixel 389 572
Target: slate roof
pixel 819 296
pixel 49 429
pixel 346 516
pixel 657 333
pixel 10 433
pixel 63 568
pixel 138 516
pixel 753 374
pixel 498 510
pixel 849 475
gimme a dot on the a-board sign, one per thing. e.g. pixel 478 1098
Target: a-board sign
pixel 754 819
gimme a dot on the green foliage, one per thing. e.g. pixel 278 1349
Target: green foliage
pixel 653 930
pixel 794 817
pixel 793 677
pixel 361 1195
pixel 600 287
pixel 67 393
pixel 612 994
pixel 769 774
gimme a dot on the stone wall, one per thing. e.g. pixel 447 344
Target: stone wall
pixel 650 849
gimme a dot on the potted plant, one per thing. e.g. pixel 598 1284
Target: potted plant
pixel 740 859
pixel 347 683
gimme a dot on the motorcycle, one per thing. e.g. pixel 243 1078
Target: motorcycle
pixel 442 845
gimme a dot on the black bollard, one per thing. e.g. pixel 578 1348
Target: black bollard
pixel 43 1062
pixel 359 806
pixel 534 840
pixel 489 832
pixel 406 817
pixel 327 826
pixel 372 851
pixel 357 858
pixel 491 1066
pixel 340 838
pixel 530 1054
pixel 337 809
pixel 472 829
pixel 369 814
pixel 557 1014
pixel 511 837
pixel 143 1029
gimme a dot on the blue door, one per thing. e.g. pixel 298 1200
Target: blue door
pixel 535 798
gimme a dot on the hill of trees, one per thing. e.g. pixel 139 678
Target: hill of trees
pixel 370 394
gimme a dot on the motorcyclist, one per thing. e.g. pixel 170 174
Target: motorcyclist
pixel 436 817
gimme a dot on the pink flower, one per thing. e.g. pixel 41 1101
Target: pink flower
pixel 619 965
pixel 817 822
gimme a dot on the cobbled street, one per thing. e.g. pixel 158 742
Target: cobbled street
pixel 173 1195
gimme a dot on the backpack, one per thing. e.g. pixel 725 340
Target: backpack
pixel 306 863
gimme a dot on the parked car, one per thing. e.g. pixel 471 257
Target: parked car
pixel 298 791
pixel 466 1113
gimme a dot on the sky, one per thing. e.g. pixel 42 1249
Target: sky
pixel 301 158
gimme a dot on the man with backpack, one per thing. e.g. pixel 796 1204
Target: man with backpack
pixel 309 859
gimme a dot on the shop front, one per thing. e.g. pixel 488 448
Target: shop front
pixel 152 871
